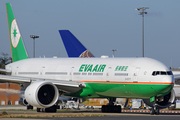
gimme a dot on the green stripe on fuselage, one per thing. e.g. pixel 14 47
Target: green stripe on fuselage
pixel 106 90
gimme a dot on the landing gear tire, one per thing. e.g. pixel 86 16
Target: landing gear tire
pixel 157 111
pixel 118 109
pixel 154 110
pixel 103 108
pixel 29 107
pixel 38 109
pixel 111 109
pixel 51 109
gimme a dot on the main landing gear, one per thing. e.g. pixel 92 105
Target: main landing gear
pixel 154 110
pixel 50 109
pixel 29 107
pixel 111 108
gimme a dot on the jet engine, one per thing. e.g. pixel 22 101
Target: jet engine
pixel 162 102
pixel 41 94
pixel 23 102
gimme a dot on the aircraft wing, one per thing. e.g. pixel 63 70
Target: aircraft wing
pixel 67 86
pixel 14 79
pixel 4 71
pixel 63 85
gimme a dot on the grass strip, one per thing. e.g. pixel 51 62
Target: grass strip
pixel 58 115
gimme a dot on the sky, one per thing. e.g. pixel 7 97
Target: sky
pixel 101 25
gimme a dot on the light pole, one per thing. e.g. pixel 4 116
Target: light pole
pixel 142 12
pixel 113 52
pixel 34 36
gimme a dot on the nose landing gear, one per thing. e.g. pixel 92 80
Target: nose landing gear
pixel 154 110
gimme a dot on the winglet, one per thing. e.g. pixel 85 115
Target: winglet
pixel 18 51
pixel 73 46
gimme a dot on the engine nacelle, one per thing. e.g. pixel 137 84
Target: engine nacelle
pixel 22 101
pixel 41 94
pixel 162 102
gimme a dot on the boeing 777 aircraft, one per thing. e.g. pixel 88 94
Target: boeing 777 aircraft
pixel 75 48
pixel 45 79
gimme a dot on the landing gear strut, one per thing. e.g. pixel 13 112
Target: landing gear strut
pixel 154 110
pixel 111 107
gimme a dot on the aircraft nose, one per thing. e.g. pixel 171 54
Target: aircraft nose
pixel 168 79
pixel 168 83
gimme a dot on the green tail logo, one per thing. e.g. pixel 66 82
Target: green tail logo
pixel 18 51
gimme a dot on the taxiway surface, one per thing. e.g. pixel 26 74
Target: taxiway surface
pixel 89 115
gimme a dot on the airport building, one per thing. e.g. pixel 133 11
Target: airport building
pixel 9 93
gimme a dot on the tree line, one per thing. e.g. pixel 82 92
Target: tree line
pixel 4 60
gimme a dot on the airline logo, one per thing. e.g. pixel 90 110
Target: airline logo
pixel 121 68
pixel 15 34
pixel 92 68
pixel 86 53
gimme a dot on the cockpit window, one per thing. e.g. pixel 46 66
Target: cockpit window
pixel 161 73
pixel 157 72
pixel 169 72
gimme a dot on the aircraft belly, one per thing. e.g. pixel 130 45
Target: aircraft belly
pixel 105 90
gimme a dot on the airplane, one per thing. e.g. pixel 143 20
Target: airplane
pixel 73 46
pixel 45 79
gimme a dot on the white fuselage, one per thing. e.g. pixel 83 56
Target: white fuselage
pixel 83 69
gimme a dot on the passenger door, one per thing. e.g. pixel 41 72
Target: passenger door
pixel 135 76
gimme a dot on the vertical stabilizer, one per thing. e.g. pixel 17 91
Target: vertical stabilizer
pixel 73 46
pixel 18 51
